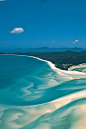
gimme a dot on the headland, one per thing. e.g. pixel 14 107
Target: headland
pixel 62 60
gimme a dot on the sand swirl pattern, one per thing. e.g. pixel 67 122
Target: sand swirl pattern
pixel 34 94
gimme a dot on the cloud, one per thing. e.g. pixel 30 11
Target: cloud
pixel 17 30
pixel 76 40
pixel 53 41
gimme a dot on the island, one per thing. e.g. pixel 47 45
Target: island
pixel 76 48
pixel 43 47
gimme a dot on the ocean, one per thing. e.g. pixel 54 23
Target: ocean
pixel 24 50
pixel 34 94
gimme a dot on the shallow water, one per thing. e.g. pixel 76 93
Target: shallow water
pixel 29 92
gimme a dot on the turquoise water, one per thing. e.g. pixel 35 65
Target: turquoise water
pixel 29 93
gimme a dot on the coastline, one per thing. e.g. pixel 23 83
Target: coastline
pixel 68 74
pixel 62 60
pixel 73 67
pixel 69 98
pixel 52 65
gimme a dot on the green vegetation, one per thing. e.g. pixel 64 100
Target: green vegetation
pixel 62 60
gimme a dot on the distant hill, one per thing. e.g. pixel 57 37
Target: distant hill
pixel 75 48
pixel 43 47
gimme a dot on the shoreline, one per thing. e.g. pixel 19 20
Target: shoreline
pixel 52 65
pixel 62 60
pixel 69 98
pixel 74 66
pixel 57 69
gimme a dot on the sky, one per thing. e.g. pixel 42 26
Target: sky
pixel 39 23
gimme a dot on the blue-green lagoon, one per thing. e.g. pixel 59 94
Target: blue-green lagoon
pixel 34 94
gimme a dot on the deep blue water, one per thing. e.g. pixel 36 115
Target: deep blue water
pixel 39 50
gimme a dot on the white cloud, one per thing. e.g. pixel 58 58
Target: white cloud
pixel 17 30
pixel 53 41
pixel 76 40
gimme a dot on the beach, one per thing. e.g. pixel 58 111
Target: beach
pixel 42 96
